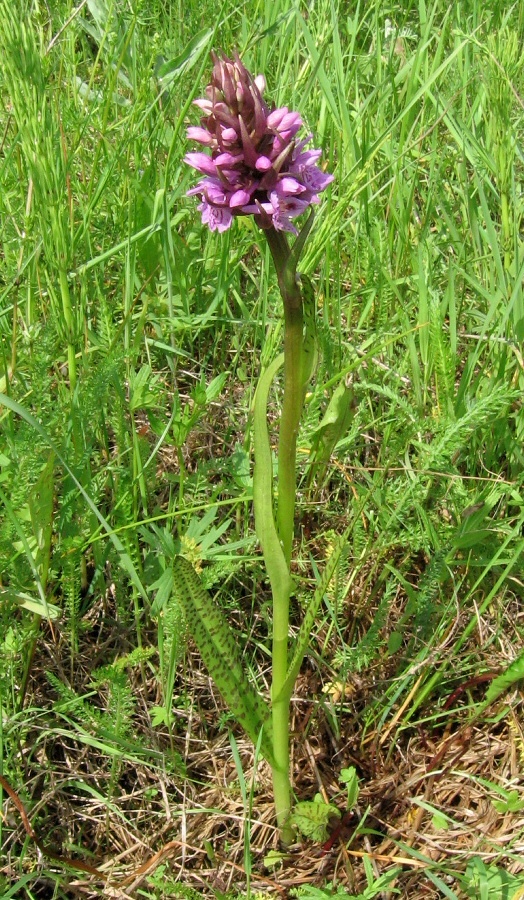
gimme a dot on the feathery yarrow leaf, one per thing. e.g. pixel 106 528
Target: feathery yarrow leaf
pixel 219 652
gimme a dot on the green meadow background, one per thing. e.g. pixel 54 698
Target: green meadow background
pixel 131 340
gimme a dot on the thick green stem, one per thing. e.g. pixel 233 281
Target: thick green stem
pixel 287 447
pixel 279 541
pixel 293 392
pixel 280 716
pixel 289 424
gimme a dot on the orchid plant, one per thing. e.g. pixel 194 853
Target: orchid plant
pixel 255 165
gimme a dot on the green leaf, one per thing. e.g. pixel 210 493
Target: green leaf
pixel 490 881
pixel 513 802
pixel 266 530
pixel 470 531
pixel 334 424
pixel 499 685
pixel 394 642
pixel 159 716
pixel 177 67
pixel 33 604
pixel 164 588
pixel 310 343
pixel 311 818
pixel 439 822
pixel 350 779
pixel 219 650
pixel 274 859
pixel 142 393
pixel 215 387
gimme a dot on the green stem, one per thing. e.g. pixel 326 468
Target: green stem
pixel 289 424
pixel 506 229
pixel 281 585
pixel 293 400
pixel 280 713
pixel 287 450
pixel 68 319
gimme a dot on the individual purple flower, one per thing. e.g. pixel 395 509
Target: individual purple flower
pixel 256 165
pixel 218 218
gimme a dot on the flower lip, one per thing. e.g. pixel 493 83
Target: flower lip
pixel 254 164
pixel 218 218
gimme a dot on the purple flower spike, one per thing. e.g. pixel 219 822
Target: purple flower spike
pixel 256 166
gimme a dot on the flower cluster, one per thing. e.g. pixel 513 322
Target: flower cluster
pixel 256 166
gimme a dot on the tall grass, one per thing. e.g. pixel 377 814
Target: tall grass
pixel 118 312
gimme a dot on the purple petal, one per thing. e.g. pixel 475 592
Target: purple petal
pixel 218 218
pixel 283 211
pixel 274 119
pixel 201 162
pixel 214 192
pixel 256 208
pixel 290 122
pixel 202 135
pixel 229 135
pixel 263 163
pixel 239 198
pixel 289 206
pixel 198 189
pixel 228 159
pixel 206 105
pixel 288 185
pixel 282 223
pixel 314 179
pixel 302 143
pixel 285 123
pixel 308 158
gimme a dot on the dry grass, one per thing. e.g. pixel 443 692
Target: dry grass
pixel 427 789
